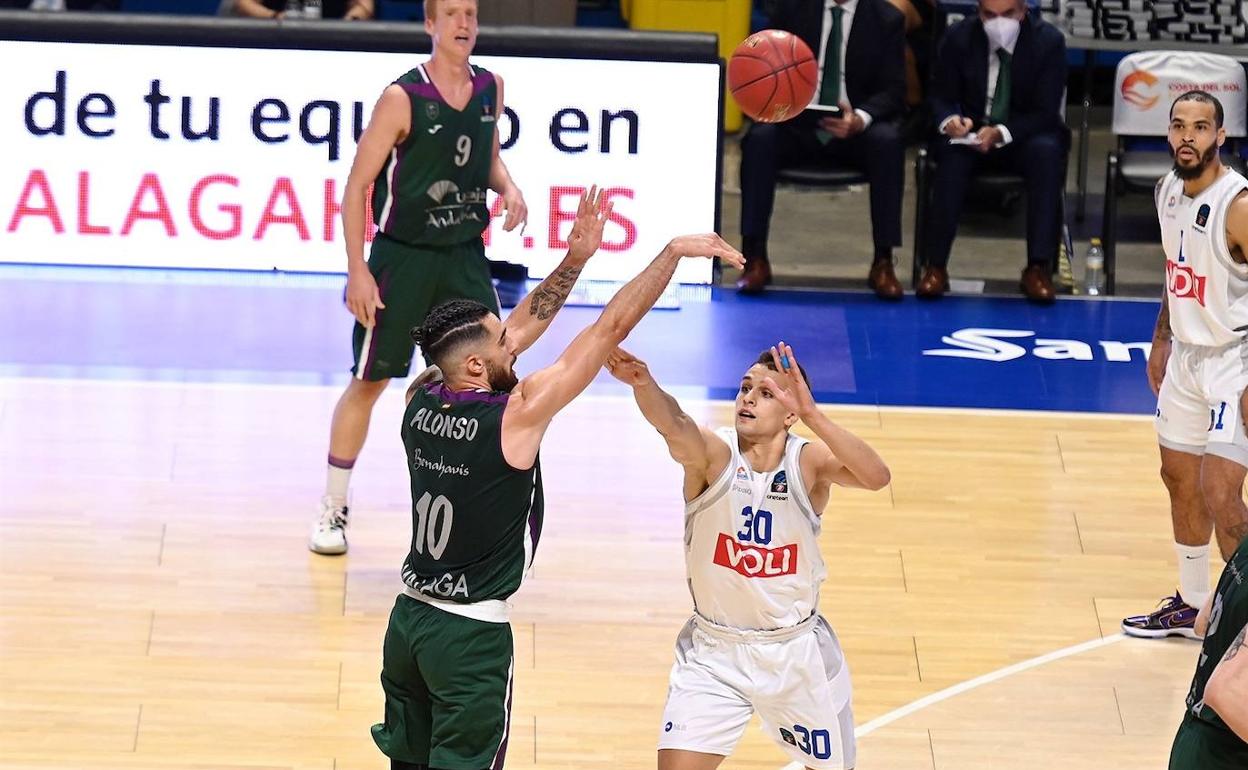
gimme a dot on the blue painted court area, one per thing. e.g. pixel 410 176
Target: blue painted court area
pixel 1077 355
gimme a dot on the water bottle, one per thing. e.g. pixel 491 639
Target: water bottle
pixel 1094 275
pixel 294 9
pixel 311 9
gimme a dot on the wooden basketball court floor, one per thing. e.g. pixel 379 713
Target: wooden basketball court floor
pixel 160 608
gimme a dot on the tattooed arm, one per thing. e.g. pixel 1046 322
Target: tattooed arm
pixel 1227 689
pixel 532 316
pixel 1159 355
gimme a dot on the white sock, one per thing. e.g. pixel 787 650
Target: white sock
pixel 1193 573
pixel 337 481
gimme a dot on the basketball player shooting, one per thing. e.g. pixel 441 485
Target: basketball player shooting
pixel 1198 366
pixel 753 495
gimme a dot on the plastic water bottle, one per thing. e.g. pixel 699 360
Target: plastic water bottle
pixel 294 9
pixel 1094 275
pixel 311 9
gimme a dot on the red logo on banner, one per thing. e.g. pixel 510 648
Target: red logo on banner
pixel 754 562
pixel 1135 88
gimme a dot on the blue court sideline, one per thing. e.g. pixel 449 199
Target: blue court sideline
pixel 958 352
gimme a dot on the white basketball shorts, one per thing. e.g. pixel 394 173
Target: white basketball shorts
pixel 796 679
pixel 1198 407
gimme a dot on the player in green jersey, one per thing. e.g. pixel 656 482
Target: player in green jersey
pixel 472 441
pixel 431 152
pixel 1214 732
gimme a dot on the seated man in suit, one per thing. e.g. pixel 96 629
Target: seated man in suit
pixel 1000 78
pixel 860 45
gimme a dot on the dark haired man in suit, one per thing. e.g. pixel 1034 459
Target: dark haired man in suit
pixel 859 99
pixel 1000 79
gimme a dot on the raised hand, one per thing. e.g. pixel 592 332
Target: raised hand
pixel 628 369
pixel 708 245
pixel 788 386
pixel 591 217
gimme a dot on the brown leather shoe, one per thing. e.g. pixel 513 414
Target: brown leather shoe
pixel 756 277
pixel 934 283
pixel 1037 284
pixel 883 281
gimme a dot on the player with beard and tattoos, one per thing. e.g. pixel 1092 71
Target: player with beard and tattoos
pixel 471 442
pixel 1198 366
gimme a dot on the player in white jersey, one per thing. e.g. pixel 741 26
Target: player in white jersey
pixel 753 497
pixel 1198 366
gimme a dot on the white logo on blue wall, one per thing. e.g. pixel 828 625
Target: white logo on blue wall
pixel 993 345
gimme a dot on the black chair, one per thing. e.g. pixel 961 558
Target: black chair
pixel 998 185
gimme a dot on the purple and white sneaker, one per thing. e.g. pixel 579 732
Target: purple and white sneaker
pixel 1173 617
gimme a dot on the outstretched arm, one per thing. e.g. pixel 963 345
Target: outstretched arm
pixel 699 451
pixel 540 396
pixel 852 462
pixel 1227 689
pixel 533 315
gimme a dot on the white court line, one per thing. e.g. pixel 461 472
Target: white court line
pixel 864 730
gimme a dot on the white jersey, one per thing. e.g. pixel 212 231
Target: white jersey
pixel 1206 289
pixel 751 544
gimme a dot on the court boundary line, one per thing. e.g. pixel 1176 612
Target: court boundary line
pixel 592 396
pixel 939 696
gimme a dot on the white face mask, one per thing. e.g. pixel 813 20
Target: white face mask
pixel 1002 32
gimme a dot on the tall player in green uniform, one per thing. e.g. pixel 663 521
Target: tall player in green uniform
pixel 472 442
pixel 430 151
pixel 1214 733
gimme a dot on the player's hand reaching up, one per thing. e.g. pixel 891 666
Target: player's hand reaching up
pixel 591 217
pixel 363 298
pixel 517 210
pixel 709 245
pixel 628 369
pixel 788 386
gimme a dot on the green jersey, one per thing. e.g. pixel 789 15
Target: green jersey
pixel 476 520
pixel 431 191
pixel 1226 619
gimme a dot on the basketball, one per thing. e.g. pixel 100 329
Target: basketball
pixel 772 75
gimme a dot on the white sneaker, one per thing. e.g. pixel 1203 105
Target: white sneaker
pixel 329 533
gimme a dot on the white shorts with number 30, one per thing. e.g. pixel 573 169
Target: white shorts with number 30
pixel 1198 408
pixel 796 680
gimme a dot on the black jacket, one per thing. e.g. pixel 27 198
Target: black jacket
pixel 875 74
pixel 1037 77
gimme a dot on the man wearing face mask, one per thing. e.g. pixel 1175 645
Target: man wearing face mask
pixel 1000 79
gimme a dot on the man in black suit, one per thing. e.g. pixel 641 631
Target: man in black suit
pixel 860 45
pixel 1000 79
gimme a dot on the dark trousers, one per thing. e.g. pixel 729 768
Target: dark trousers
pixel 878 152
pixel 1040 160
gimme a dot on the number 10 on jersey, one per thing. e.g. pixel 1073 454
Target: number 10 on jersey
pixel 433 525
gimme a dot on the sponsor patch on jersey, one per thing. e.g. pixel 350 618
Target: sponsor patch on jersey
pixel 431 110
pixel 741 474
pixel 487 110
pixel 780 483
pixel 1183 283
pixel 752 561
pixel 1202 217
pixel 1170 205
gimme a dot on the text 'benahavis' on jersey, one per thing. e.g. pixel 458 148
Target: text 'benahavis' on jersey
pixel 431 190
pixel 752 544
pixel 476 520
pixel 1207 290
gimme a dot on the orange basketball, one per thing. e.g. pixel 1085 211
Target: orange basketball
pixel 772 75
